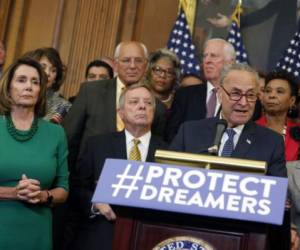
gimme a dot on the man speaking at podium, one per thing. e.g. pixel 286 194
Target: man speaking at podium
pixel 242 138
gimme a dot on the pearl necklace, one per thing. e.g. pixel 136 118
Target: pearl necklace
pixel 167 99
pixel 19 135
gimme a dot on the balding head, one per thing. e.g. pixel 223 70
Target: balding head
pixel 131 61
pixel 217 54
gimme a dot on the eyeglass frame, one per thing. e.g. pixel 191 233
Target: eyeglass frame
pixel 158 71
pixel 139 61
pixel 241 95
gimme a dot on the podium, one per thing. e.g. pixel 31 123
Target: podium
pixel 137 229
pixel 169 207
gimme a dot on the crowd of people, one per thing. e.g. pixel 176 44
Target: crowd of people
pixel 126 109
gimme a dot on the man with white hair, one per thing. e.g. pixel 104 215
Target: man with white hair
pixel 94 110
pixel 200 101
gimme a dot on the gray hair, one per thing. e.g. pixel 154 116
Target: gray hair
pixel 239 66
pixel 140 84
pixel 228 49
pixel 164 53
pixel 118 48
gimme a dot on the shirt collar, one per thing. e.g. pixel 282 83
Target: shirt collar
pixel 145 139
pixel 209 87
pixel 120 84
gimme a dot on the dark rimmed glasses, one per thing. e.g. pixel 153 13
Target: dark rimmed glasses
pixel 236 95
pixel 160 72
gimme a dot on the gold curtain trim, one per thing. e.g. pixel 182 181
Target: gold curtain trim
pixel 236 15
pixel 189 7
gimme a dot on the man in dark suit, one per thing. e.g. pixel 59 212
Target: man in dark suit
pixel 94 110
pixel 237 95
pixel 191 103
pixel 243 138
pixel 136 109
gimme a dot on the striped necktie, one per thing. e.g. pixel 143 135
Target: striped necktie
pixel 135 153
pixel 229 144
pixel 211 104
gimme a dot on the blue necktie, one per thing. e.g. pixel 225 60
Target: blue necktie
pixel 229 145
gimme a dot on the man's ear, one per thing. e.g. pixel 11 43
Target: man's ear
pixel 121 113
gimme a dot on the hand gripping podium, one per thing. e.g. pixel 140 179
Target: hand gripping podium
pixel 199 202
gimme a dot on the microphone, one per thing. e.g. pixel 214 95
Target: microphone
pixel 221 127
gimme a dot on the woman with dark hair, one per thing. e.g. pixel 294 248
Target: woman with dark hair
pixel 31 179
pixel 279 101
pixel 98 70
pixel 163 75
pixel 49 58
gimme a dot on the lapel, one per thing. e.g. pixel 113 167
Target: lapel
pixel 246 140
pixel 151 150
pixel 110 103
pixel 208 135
pixel 119 145
pixel 202 98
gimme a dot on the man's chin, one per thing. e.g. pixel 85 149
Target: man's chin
pixel 130 81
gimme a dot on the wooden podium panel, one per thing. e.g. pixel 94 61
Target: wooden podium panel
pixel 138 229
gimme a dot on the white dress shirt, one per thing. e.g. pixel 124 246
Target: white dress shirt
pixel 143 146
pixel 238 130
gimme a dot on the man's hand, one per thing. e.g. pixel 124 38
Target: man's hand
pixel 221 21
pixel 106 210
pixel 294 240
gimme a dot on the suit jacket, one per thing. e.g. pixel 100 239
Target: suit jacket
pixel 189 104
pixel 293 168
pixel 255 143
pixel 94 112
pixel 98 232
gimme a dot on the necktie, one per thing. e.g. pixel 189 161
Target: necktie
pixel 135 153
pixel 229 145
pixel 211 104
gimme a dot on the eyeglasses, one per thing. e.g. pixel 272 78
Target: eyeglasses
pixel 136 60
pixel 159 72
pixel 237 95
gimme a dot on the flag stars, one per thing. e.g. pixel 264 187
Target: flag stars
pixel 181 43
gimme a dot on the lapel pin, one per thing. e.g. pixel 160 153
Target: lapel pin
pixel 248 141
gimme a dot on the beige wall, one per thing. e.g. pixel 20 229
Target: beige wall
pixel 83 30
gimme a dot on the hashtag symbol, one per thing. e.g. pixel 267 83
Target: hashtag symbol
pixel 126 176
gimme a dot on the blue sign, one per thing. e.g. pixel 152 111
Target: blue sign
pixel 192 190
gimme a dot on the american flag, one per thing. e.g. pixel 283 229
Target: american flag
pixel 59 115
pixel 290 61
pixel 235 38
pixel 180 42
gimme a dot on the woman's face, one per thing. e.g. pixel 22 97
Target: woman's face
pixel 50 70
pixel 277 97
pixel 163 76
pixel 25 86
